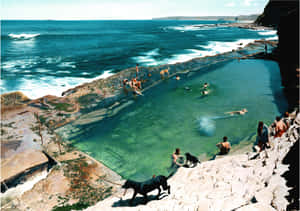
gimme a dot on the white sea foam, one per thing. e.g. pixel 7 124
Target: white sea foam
pixel 201 35
pixel 42 70
pixel 216 47
pixel 197 27
pixel 213 48
pixel 35 88
pixel 148 58
pixel 63 71
pixel 23 36
pixel 267 32
pixel 22 188
pixel 67 64
pixel 272 38
pixel 15 65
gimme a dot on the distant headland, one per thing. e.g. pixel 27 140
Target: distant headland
pixel 225 18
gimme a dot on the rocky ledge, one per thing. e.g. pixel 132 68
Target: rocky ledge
pixel 250 181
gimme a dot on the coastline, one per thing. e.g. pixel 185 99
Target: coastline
pixel 112 100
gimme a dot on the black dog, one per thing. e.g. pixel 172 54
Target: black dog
pixel 147 186
pixel 191 159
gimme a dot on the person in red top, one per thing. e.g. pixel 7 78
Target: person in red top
pixel 280 127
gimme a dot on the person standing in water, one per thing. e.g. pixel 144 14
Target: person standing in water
pixel 175 157
pixel 266 49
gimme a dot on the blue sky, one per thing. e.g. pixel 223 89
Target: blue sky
pixel 125 9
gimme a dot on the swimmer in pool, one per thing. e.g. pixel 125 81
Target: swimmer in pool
pixel 187 88
pixel 204 92
pixel 241 112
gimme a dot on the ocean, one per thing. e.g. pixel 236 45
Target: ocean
pixel 49 57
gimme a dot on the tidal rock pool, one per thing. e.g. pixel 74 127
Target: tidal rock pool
pixel 139 140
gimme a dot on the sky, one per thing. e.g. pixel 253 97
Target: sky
pixel 125 9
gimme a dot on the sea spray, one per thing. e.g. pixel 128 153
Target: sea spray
pixel 22 188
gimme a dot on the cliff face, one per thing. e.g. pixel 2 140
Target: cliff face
pixel 284 15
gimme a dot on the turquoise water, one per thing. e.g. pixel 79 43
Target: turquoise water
pixel 139 141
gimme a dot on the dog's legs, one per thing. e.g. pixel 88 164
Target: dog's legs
pixel 166 186
pixel 159 190
pixel 145 197
pixel 134 195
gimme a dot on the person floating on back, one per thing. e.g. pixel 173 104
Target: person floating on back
pixel 280 127
pixel 241 112
pixel 224 146
pixel 262 136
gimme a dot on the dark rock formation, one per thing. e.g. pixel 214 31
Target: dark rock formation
pixel 284 15
pixel 292 176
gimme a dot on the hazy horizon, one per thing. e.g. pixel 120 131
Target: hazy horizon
pixel 124 9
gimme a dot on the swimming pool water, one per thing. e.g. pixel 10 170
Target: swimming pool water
pixel 138 141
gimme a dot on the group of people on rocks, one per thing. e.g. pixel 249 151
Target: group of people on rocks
pixel 280 126
pixel 133 85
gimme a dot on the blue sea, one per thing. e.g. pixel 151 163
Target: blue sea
pixel 48 57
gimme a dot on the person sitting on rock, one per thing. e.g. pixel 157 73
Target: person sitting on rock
pixel 224 146
pixel 262 136
pixel 280 127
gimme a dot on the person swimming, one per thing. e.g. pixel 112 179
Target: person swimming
pixel 241 112
pixel 204 92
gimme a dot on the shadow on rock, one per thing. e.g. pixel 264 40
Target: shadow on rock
pixel 140 200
